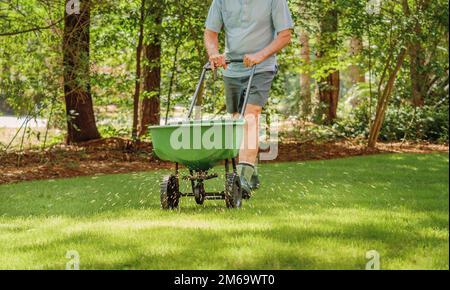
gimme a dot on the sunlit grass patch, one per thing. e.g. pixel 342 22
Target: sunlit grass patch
pixel 309 215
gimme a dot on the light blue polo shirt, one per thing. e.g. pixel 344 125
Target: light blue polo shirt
pixel 250 26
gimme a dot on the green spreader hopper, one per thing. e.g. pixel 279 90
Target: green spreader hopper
pixel 199 146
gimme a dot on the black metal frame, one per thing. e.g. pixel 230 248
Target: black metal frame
pixel 199 177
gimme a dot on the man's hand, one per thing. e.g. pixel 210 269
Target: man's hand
pixel 253 59
pixel 217 61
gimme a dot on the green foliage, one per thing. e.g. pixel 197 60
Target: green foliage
pixel 403 122
pixel 108 131
pixel 355 125
pixel 426 123
pixel 31 74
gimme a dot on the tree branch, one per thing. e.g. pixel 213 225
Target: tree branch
pixel 32 29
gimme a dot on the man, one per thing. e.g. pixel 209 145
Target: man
pixel 255 31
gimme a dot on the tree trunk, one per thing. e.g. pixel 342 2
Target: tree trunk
pixel 305 76
pixel 329 86
pixel 329 96
pixel 419 79
pixel 355 72
pixel 151 103
pixel 383 101
pixel 77 89
pixel 137 84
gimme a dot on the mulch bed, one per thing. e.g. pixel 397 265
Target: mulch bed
pixel 116 155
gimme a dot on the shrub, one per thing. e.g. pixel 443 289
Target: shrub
pixel 401 122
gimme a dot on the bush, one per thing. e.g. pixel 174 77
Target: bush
pixel 355 123
pixel 107 131
pixel 426 123
pixel 401 122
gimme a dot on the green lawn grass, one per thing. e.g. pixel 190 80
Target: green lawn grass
pixel 312 215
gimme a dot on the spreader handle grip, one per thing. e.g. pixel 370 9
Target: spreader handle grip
pixel 228 61
pixel 240 60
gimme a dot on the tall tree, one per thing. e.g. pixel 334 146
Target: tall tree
pixel 329 82
pixel 77 88
pixel 355 72
pixel 418 75
pixel 137 83
pixel 151 103
pixel 384 96
pixel 305 76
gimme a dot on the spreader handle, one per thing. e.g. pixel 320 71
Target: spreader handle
pixel 228 61
pixel 237 60
pixel 247 92
pixel 207 67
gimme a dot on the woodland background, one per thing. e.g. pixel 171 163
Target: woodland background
pixel 365 70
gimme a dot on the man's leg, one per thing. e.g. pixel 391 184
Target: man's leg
pixel 258 97
pixel 249 151
pixel 254 180
pixel 250 148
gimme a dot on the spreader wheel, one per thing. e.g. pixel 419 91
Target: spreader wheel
pixel 199 193
pixel 233 192
pixel 170 192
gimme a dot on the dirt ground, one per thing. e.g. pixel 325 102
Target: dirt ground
pixel 115 155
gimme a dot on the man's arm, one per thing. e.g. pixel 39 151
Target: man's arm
pixel 212 47
pixel 283 39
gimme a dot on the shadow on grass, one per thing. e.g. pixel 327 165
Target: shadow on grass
pixel 280 247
